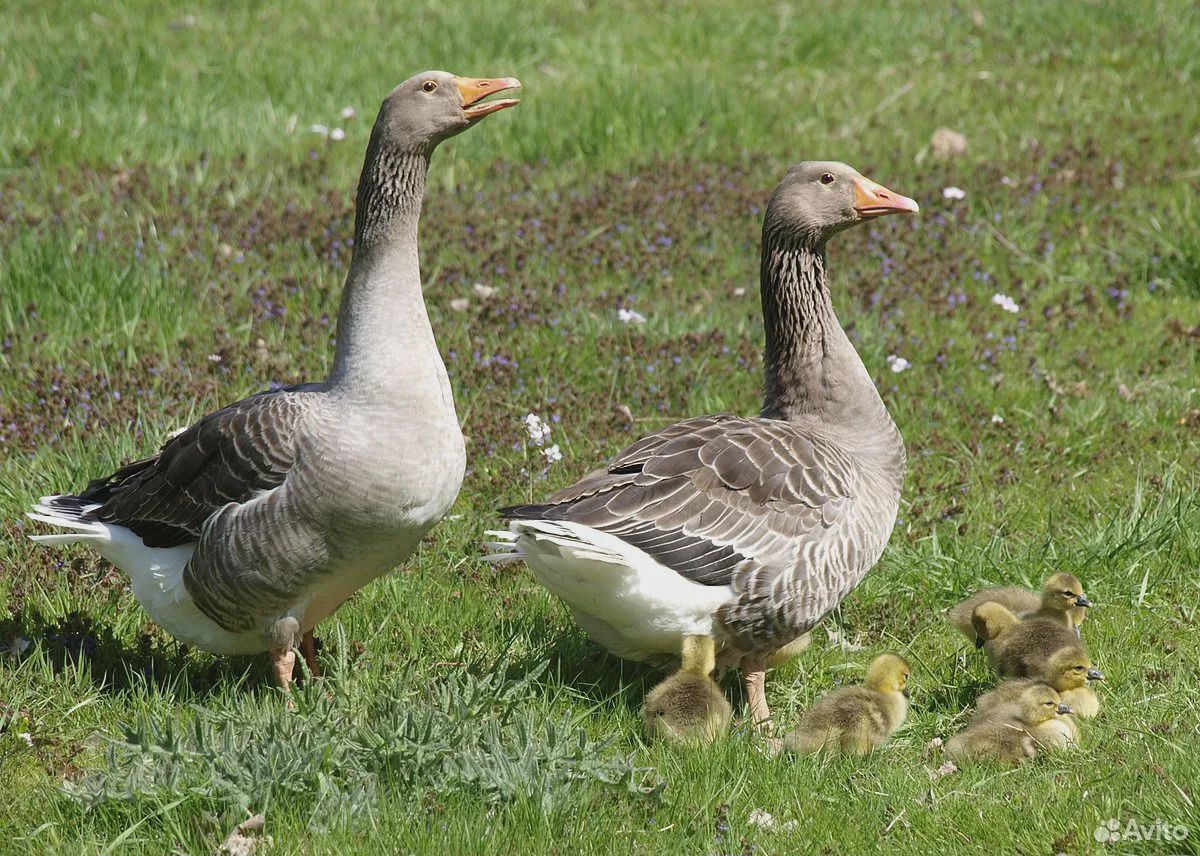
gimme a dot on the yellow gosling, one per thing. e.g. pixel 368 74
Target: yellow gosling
pixel 688 707
pixel 1062 599
pixel 858 719
pixel 1037 722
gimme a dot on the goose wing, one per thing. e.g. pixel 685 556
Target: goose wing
pixel 229 456
pixel 721 500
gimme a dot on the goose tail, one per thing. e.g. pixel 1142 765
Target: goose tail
pixel 69 513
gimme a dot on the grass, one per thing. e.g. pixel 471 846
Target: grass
pixel 171 238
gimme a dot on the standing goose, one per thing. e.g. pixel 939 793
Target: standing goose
pixel 749 530
pixel 252 525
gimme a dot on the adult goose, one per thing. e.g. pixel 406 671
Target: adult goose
pixel 252 525
pixel 749 530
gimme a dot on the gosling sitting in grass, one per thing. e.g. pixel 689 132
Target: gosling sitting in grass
pixel 1035 722
pixel 1068 670
pixel 1062 600
pixel 1020 648
pixel 859 719
pixel 689 707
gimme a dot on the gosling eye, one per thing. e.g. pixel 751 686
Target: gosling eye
pixel 1079 668
pixel 1069 594
pixel 429 85
pixel 827 178
pixel 1049 704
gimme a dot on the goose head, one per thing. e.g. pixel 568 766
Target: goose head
pixel 1040 704
pixel 817 199
pixel 435 105
pixel 1062 592
pixel 888 673
pixel 1070 668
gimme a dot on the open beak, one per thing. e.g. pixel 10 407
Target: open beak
pixel 1064 708
pixel 1082 601
pixel 1095 674
pixel 875 200
pixel 474 89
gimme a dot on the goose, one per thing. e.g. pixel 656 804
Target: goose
pixel 253 524
pixel 1019 648
pixel 1068 670
pixel 749 530
pixel 856 720
pixel 1036 721
pixel 1062 599
pixel 688 707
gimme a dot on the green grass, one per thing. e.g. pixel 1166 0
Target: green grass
pixel 170 240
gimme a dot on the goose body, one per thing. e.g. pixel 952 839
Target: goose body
pixel 749 529
pixel 250 526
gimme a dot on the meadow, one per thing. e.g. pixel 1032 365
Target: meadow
pixel 173 237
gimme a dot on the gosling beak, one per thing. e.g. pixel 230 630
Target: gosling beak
pixel 906 693
pixel 1095 674
pixel 1082 601
pixel 1064 708
pixel 875 200
pixel 979 642
pixel 474 89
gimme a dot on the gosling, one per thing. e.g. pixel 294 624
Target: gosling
pixel 1068 671
pixel 856 720
pixel 1035 723
pixel 1062 600
pixel 1021 648
pixel 689 707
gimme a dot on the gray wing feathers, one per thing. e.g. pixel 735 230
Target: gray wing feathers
pixel 760 505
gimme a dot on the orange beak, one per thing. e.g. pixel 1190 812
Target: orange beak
pixel 875 200
pixel 475 89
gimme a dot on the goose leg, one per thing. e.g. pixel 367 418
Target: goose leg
pixel 754 676
pixel 283 660
pixel 284 636
pixel 308 648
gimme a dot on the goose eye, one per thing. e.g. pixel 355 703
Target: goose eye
pixel 827 178
pixel 429 85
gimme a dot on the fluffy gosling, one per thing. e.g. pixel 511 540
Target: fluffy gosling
pixel 1035 722
pixel 1020 648
pixel 688 707
pixel 858 719
pixel 1068 671
pixel 1062 600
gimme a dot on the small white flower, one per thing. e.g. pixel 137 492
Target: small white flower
pixel 1006 303
pixel 214 358
pixel 539 431
pixel 319 129
pixel 553 454
pixel 27 737
pixel 337 135
pixel 460 304
pixel 348 112
pixel 953 192
pixel 897 364
pixel 629 316
pixel 483 292
pixel 739 292
pixel 997 419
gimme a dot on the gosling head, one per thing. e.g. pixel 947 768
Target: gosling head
pixel 1062 592
pixel 1040 704
pixel 1070 668
pixel 433 106
pixel 991 619
pixel 817 199
pixel 888 673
